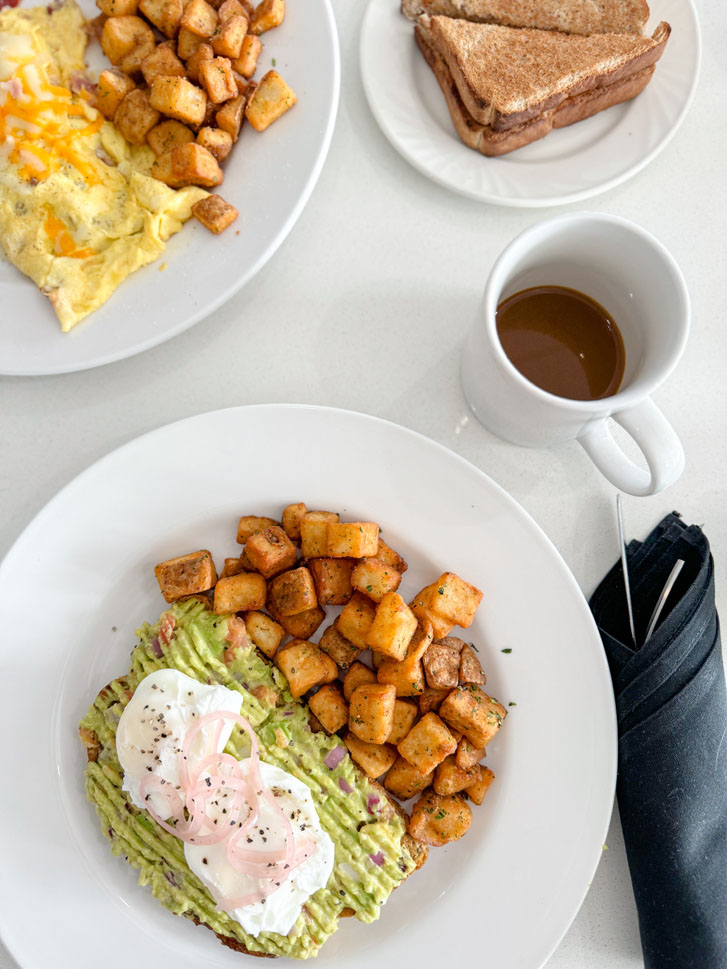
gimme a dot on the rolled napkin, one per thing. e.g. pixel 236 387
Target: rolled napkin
pixel 671 704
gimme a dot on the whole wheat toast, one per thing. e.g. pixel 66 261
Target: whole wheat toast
pixel 507 77
pixel 568 16
pixel 493 143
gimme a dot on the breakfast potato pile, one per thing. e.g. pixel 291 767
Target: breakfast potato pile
pixel 419 713
pixel 188 95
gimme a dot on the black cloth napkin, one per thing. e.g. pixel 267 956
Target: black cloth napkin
pixel 671 704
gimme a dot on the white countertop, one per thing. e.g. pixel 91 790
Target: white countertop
pixel 365 307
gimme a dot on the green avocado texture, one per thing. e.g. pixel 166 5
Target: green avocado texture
pixel 362 824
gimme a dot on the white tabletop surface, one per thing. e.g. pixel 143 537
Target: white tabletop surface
pixel 365 307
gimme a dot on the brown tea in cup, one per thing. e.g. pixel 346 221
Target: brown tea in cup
pixel 562 341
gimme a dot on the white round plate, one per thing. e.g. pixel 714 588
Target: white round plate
pixel 268 178
pixel 569 164
pixel 79 581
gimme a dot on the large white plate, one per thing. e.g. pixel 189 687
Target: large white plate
pixel 569 164
pixel 79 581
pixel 268 178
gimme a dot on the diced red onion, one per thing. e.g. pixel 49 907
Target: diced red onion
pixel 371 803
pixel 335 757
pixel 171 879
pixel 378 859
pixel 288 713
pixel 344 785
pixel 156 647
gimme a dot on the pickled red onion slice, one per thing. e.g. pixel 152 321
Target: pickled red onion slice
pixel 211 777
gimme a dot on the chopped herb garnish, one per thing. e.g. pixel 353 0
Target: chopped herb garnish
pixel 505 650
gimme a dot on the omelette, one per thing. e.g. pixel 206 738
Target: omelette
pixel 79 210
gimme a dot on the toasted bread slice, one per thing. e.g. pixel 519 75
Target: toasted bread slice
pixel 493 143
pixel 507 76
pixel 569 16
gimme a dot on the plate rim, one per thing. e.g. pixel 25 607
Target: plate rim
pixel 238 282
pixel 521 202
pixel 508 500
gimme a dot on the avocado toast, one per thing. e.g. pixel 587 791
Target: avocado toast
pixel 373 852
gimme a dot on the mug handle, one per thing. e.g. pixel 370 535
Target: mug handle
pixel 656 439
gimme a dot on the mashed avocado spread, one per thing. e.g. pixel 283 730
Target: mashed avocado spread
pixel 362 824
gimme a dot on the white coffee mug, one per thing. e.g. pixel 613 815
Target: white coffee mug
pixel 631 274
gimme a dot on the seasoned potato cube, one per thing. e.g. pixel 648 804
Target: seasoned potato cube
pixel 162 171
pixel 330 707
pixel 271 551
pixel 467 755
pixel 387 554
pixel 231 115
pixel 166 135
pixel 441 665
pixel 294 514
pixel 340 649
pixel 312 538
pixel 231 567
pixel 450 779
pixel 375 578
pixel 250 525
pixel 431 699
pixel 194 165
pixel 135 117
pixel 440 627
pixel 321 516
pixel 357 675
pixel 126 41
pixel 199 18
pixel 471 710
pixel 405 713
pixel 478 788
pixel 293 592
pixel 216 78
pixel 217 142
pixel 178 98
pixel 264 632
pixel 427 744
pixel 302 625
pixel 229 9
pixel 186 574
pixel 305 666
pixel 203 53
pixel 470 669
pixel 421 640
pixel 393 627
pixel 117 8
pixel 268 14
pixel 356 619
pixel 270 100
pixel 352 539
pixel 250 50
pixel 227 39
pixel 405 781
pixel 437 819
pixel 113 86
pixel 162 61
pixel 214 213
pixel 164 14
pixel 451 599
pixel 407 676
pixel 187 43
pixel 373 759
pixel 333 580
pixel 238 593
pixel 371 714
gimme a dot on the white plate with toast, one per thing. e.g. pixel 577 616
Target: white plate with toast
pixel 569 164
pixel 268 178
pixel 80 580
